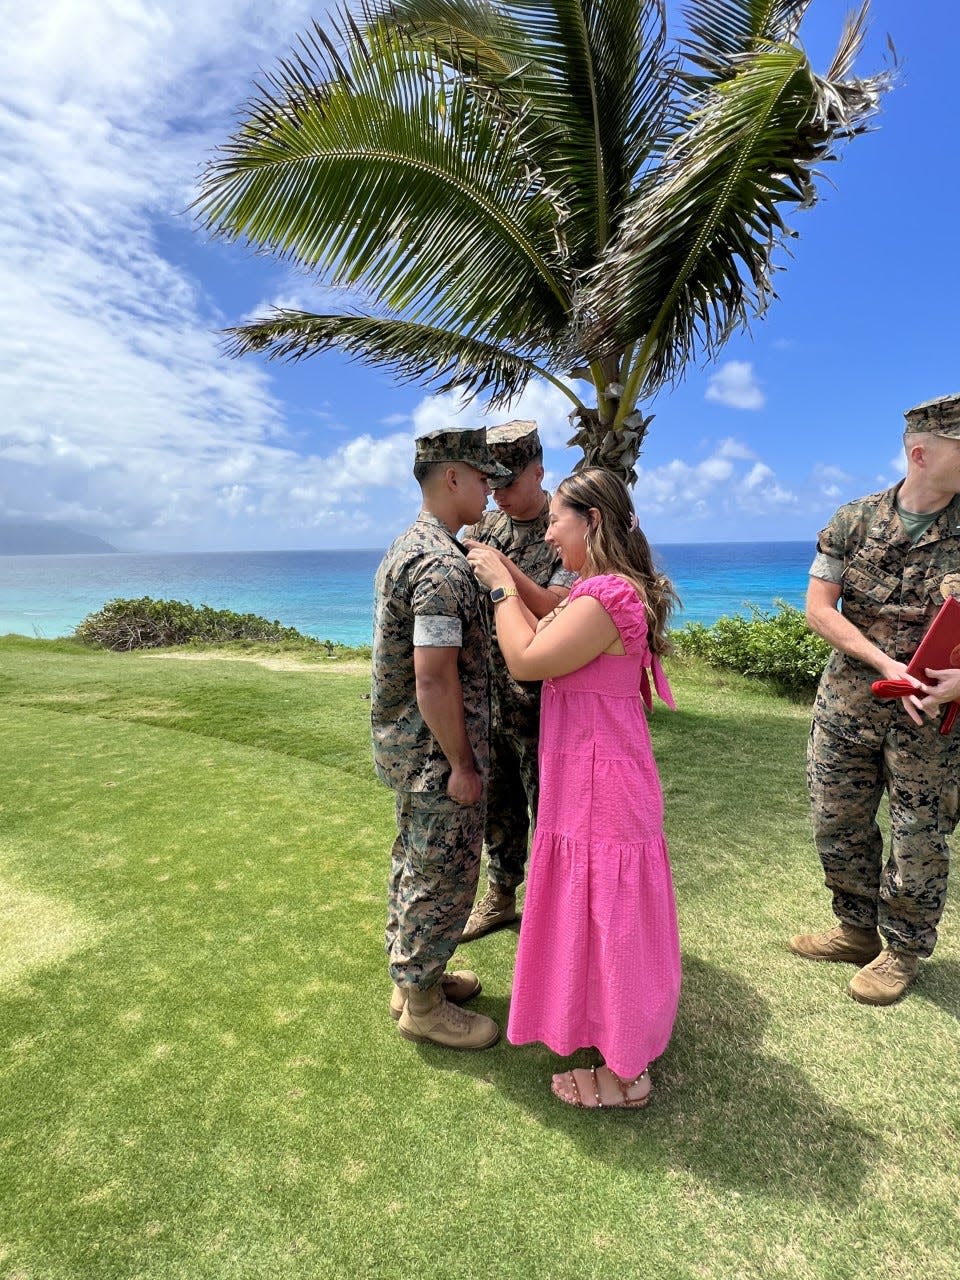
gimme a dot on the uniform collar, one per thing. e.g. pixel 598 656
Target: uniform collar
pixel 544 510
pixel 888 524
pixel 427 517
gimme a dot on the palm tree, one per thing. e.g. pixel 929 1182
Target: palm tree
pixel 512 189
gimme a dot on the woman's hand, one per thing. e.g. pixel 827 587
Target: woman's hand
pixel 490 565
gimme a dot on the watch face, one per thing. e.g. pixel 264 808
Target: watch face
pixel 496 595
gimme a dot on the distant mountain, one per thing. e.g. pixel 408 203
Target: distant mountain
pixel 48 540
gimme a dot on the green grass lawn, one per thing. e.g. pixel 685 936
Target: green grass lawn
pixel 199 1076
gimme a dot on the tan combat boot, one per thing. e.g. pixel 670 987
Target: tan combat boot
pixel 428 1017
pixel 459 986
pixel 886 979
pixel 844 943
pixel 497 908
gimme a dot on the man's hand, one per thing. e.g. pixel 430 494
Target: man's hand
pixel 465 786
pixel 891 669
pixel 942 686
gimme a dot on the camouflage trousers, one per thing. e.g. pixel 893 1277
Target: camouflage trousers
pixel 433 878
pixel 846 778
pixel 512 802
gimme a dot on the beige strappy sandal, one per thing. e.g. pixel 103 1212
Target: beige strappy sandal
pixel 626 1103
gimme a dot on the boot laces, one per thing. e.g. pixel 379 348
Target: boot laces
pixel 454 1016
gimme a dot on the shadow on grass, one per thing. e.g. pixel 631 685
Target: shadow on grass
pixel 939 984
pixel 723 1109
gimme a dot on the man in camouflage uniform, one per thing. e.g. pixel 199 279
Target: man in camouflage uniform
pixel 516 532
pixel 891 558
pixel 430 722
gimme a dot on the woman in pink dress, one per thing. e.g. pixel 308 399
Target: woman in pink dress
pixel 598 962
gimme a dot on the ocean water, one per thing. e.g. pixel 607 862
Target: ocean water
pixel 329 594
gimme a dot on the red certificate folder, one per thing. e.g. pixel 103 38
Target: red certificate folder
pixel 938 650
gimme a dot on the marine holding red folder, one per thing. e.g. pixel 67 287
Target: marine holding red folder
pixel 937 654
pixel 885 592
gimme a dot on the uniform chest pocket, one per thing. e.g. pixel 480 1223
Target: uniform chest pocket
pixel 868 586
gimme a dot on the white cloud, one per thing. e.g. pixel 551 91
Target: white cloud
pixel 677 483
pixel 734 385
pixel 759 476
pixel 121 414
pixel 826 473
pixel 830 481
pixel 731 448
pixel 759 489
pixel 719 490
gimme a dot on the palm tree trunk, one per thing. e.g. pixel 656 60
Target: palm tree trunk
pixel 603 446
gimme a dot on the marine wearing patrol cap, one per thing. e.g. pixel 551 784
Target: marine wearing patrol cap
pixel 940 416
pixel 515 445
pixel 469 447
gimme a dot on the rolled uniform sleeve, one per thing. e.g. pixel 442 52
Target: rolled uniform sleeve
pixel 829 568
pixel 434 630
pixel 562 577
pixel 437 613
pixel 831 544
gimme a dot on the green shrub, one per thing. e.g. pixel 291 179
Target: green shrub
pixel 146 623
pixel 777 647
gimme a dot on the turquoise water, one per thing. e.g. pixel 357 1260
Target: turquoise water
pixel 328 594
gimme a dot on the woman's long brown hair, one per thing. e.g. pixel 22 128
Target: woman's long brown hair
pixel 616 544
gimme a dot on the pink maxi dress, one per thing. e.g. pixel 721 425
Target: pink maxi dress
pixel 598 962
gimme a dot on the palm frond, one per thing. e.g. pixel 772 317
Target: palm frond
pixel 722 31
pixel 412 352
pixel 590 78
pixel 845 97
pixel 364 165
pixel 851 42
pixel 526 186
pixel 694 259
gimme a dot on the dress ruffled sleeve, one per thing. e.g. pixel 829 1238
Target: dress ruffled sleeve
pixel 622 603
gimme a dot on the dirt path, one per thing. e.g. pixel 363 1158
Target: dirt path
pixel 278 663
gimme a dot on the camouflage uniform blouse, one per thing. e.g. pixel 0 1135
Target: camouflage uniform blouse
pixel 522 542
pixel 426 594
pixel 890 589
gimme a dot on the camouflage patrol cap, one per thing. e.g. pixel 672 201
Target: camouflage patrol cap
pixel 469 447
pixel 514 445
pixel 940 416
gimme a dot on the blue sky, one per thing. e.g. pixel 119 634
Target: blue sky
pixel 123 419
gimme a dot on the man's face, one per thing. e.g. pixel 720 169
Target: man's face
pixel 472 493
pixel 523 499
pixel 943 462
